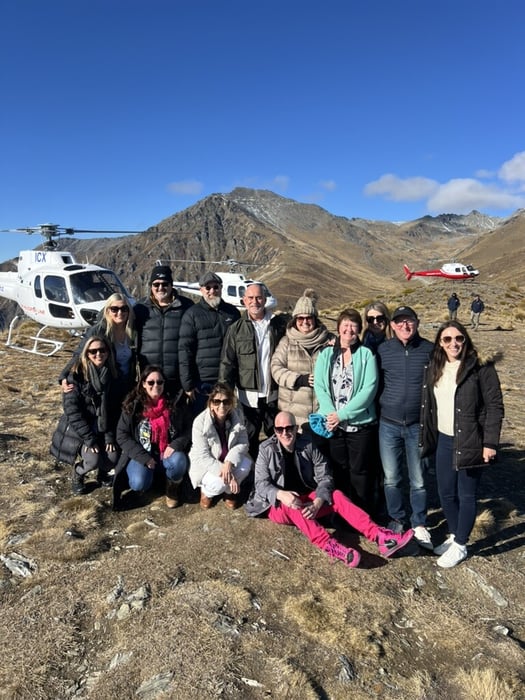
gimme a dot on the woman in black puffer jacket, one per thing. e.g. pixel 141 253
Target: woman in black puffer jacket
pixel 461 416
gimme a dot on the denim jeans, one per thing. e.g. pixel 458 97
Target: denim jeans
pixel 140 477
pixel 399 444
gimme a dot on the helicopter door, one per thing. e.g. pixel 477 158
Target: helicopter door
pixel 55 291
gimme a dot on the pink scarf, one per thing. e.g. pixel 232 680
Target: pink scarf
pixel 158 416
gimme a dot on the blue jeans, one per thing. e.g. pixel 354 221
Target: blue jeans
pixel 140 477
pixel 397 444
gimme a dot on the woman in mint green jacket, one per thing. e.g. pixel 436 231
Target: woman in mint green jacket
pixel 345 383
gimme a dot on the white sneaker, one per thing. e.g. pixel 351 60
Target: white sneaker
pixel 442 548
pixel 454 555
pixel 422 537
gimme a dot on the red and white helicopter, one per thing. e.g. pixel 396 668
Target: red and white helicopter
pixel 51 288
pixel 449 271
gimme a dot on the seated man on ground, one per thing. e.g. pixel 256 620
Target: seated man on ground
pixel 293 485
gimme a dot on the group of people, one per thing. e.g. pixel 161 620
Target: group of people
pixel 477 307
pixel 343 412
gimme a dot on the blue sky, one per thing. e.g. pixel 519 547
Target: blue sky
pixel 119 113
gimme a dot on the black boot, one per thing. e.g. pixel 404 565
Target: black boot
pixel 77 482
pixel 104 479
pixel 172 493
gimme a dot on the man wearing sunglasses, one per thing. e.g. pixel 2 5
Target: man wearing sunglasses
pixel 202 333
pixel 158 320
pixel 294 486
pixel 402 361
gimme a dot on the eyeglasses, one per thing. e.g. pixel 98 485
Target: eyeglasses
pixel 157 285
pixel 119 309
pixel 404 321
pixel 376 319
pixel 279 429
pixel 97 351
pixel 447 339
pixel 214 287
pixel 158 382
pixel 304 319
pixel 219 402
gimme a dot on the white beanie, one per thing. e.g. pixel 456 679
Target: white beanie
pixel 305 305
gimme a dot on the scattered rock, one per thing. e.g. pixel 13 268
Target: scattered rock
pixel 18 564
pixel 347 674
pixel 487 588
pixel 152 687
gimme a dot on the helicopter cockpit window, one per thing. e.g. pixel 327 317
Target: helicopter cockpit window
pixel 94 286
pixel 231 291
pixel 55 289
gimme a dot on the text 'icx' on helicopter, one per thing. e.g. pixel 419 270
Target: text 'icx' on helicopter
pixel 54 290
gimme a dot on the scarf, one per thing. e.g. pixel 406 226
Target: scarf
pixel 158 416
pixel 311 341
pixel 100 379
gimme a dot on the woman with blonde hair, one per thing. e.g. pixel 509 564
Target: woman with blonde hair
pixel 116 325
pixel 91 410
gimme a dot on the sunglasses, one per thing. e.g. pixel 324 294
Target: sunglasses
pixel 157 285
pixel 279 429
pixel 158 382
pixel 218 402
pixel 404 322
pixel 376 319
pixel 304 319
pixel 119 309
pixel 97 351
pixel 447 339
pixel 210 287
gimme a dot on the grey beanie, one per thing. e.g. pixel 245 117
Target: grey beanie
pixel 305 305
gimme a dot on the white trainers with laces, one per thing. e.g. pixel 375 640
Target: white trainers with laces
pixel 422 537
pixel 442 548
pixel 455 554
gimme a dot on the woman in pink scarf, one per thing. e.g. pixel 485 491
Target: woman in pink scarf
pixel 154 434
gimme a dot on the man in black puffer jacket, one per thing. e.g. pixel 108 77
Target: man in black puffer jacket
pixel 158 320
pixel 200 342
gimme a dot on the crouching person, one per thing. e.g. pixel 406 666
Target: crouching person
pixel 85 435
pixel 154 434
pixel 219 460
pixel 293 485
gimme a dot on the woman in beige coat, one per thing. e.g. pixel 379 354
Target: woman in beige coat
pixel 293 361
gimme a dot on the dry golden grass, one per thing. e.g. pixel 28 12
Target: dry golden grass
pixel 245 609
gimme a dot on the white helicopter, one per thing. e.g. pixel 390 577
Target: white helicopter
pixel 54 290
pixel 233 283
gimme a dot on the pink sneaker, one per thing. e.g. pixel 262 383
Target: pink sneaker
pixel 336 550
pixel 389 542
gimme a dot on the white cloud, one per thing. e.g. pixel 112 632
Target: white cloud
pixel 185 187
pixel 328 185
pixel 462 195
pixel 281 182
pixel 513 170
pixel 484 174
pixel 411 189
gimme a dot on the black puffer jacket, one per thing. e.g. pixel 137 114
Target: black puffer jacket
pixel 202 333
pixel 478 414
pixel 77 425
pixel 401 370
pixel 158 335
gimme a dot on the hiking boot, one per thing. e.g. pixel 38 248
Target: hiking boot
pixel 389 542
pixel 455 554
pixel 231 501
pixel 205 502
pixel 336 550
pixel 172 493
pixel 442 548
pixel 77 482
pixel 422 537
pixel 396 526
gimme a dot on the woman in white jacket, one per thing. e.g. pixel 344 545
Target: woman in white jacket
pixel 219 460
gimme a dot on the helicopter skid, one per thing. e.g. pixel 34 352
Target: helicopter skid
pixel 40 346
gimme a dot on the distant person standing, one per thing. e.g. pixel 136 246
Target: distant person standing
pixel 476 309
pixel 157 321
pixel 202 332
pixel 402 360
pixel 245 362
pixel 453 305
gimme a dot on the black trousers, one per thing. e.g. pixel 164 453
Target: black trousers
pixel 258 419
